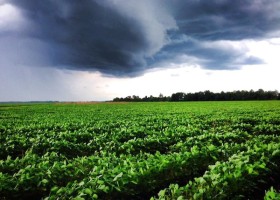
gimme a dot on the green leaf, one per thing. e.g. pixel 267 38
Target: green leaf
pixel 44 181
pixel 161 193
pixel 81 183
pixel 250 170
pixel 118 176
pixel 88 191
pixel 78 198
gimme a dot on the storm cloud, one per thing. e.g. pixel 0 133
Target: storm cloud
pixel 124 38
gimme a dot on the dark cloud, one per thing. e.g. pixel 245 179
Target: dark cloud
pixel 225 19
pixel 216 55
pixel 125 38
pixel 90 35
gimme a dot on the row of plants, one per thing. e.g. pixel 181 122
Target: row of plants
pixel 243 175
pixel 133 151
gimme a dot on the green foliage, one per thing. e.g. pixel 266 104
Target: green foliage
pixel 272 194
pixel 217 150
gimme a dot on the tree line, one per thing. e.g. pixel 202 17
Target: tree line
pixel 239 95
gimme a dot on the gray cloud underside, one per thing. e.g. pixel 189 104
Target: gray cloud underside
pixel 211 56
pixel 125 38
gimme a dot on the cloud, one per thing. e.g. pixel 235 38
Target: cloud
pixel 95 35
pixel 225 19
pixel 10 19
pixel 215 55
pixel 126 38
pixel 33 84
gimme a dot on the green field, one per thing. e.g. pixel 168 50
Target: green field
pixel 188 150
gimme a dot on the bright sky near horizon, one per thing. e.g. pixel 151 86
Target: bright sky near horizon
pixel 97 50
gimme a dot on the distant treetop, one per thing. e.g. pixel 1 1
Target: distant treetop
pixel 207 95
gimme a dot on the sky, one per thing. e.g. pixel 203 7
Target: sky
pixel 96 50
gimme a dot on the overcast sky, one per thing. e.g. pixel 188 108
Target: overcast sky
pixel 100 49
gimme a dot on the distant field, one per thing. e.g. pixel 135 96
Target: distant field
pixel 188 150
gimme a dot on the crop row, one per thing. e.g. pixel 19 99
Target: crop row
pixel 240 177
pixel 111 176
pixel 134 151
pixel 122 138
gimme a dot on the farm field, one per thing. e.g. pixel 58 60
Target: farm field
pixel 184 150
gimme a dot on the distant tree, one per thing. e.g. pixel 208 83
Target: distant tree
pixel 128 98
pixel 136 98
pixel 179 96
pixel 116 99
pixel 207 96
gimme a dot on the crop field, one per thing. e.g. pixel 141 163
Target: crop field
pixel 184 150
